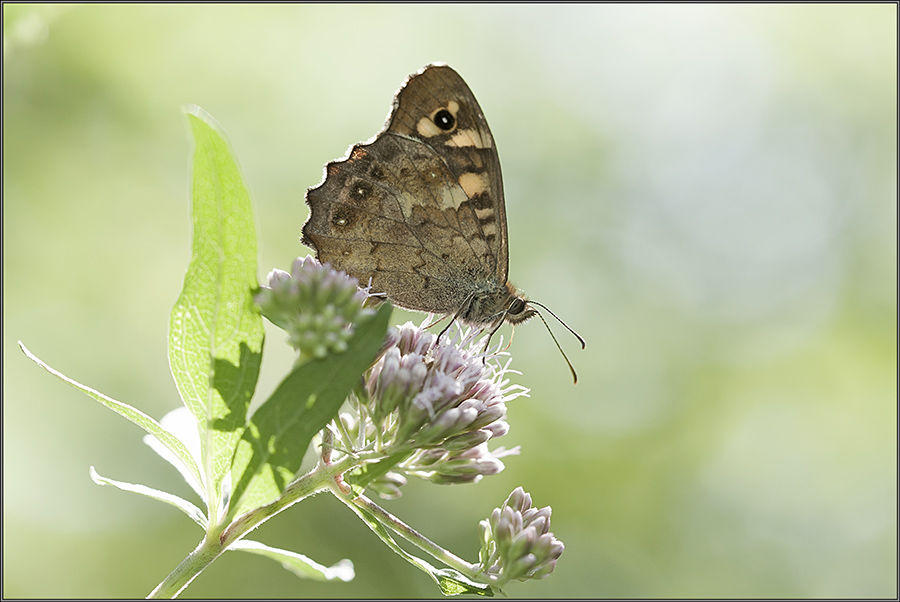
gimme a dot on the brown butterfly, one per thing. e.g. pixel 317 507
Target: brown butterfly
pixel 418 212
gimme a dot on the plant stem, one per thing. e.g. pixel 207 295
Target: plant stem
pixel 208 550
pixel 416 538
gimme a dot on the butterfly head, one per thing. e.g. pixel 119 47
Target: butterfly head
pixel 518 311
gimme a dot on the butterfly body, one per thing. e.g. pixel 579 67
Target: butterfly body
pixel 419 211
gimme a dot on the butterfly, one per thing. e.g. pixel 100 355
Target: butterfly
pixel 418 211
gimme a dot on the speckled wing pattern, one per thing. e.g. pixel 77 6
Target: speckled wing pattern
pixel 419 210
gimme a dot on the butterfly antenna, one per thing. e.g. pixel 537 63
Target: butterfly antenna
pixel 552 336
pixel 569 328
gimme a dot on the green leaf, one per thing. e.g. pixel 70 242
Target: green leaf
pixel 185 506
pixel 299 564
pixel 269 454
pixel 215 330
pixel 133 414
pixel 454 583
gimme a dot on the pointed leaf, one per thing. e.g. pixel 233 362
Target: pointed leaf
pixel 299 564
pixel 215 331
pixel 133 414
pixel 272 448
pixel 185 506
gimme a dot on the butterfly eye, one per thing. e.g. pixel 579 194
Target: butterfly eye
pixel 518 305
pixel 444 119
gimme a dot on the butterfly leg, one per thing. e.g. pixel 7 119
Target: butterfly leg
pixel 494 328
pixel 447 327
pixel 463 309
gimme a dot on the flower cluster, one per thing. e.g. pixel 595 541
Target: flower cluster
pixel 435 401
pixel 316 305
pixel 516 542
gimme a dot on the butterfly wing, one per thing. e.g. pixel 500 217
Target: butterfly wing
pixel 419 210
pixel 467 148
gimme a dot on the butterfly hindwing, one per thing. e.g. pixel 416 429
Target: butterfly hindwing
pixel 378 216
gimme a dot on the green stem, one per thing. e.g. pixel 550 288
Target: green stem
pixel 208 550
pixel 411 535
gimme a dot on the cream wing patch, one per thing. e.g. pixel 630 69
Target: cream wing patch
pixel 470 138
pixel 473 183
pixel 426 128
pixel 486 218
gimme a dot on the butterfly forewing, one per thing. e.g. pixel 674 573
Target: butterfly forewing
pixel 467 148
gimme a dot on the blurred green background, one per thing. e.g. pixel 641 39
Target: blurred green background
pixel 706 193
